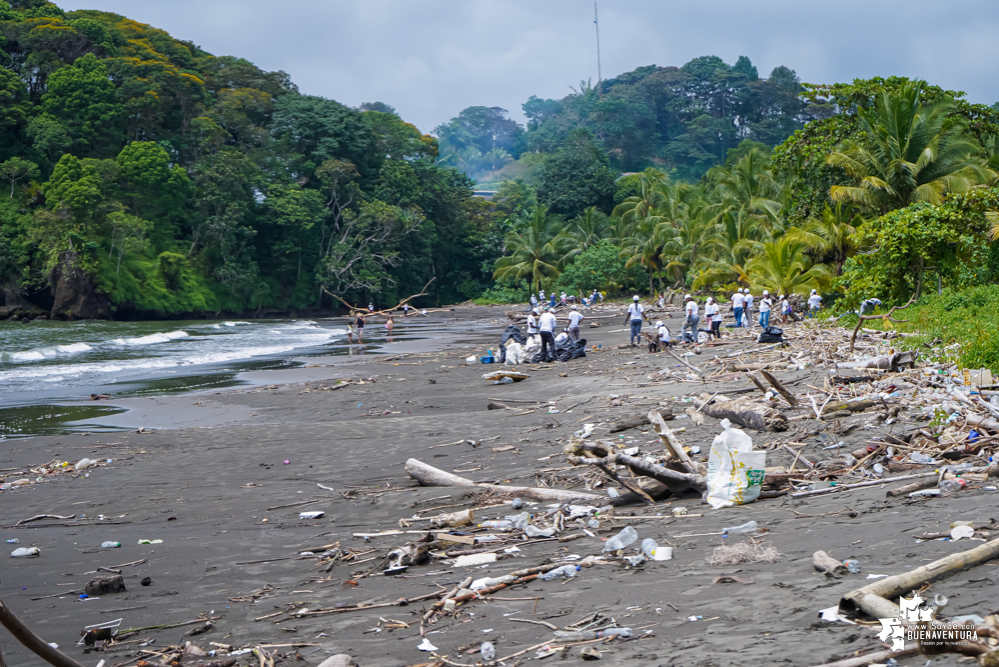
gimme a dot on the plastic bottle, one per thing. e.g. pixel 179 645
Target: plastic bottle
pixel 497 525
pixel 532 531
pixel 649 547
pixel 487 651
pixel 623 633
pixel 564 571
pixel 492 581
pixel 14 541
pixel 852 565
pixel 110 545
pixel 919 457
pixel 504 380
pixel 516 504
pixel 748 527
pixel 621 540
pixel 951 485
pixel 612 492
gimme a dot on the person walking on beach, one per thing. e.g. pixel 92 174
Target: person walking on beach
pixel 748 307
pixel 636 313
pixel 738 305
pixel 405 310
pixel 814 303
pixel 766 304
pixel 532 323
pixel 691 320
pixel 785 309
pixel 547 328
pixel 359 325
pixel 574 318
pixel 534 302
pixel 712 317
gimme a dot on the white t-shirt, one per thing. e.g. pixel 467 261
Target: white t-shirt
pixel 749 302
pixel 548 322
pixel 574 318
pixel 532 325
pixel 738 300
pixel 663 333
pixel 765 304
pixel 691 308
pixel 814 301
pixel 710 309
pixel 636 311
pixel 785 306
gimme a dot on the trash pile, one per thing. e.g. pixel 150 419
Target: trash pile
pixel 47 471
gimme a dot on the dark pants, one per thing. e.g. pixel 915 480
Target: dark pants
pixel 547 346
pixel 716 329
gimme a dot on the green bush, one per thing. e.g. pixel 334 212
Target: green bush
pixel 969 317
pixel 601 267
pixel 501 294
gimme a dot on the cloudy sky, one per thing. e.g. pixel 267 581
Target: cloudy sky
pixel 432 58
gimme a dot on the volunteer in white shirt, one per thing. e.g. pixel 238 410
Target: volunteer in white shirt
pixel 765 305
pixel 532 323
pixel 691 320
pixel 748 307
pixel 712 317
pixel 663 332
pixel 636 313
pixel 814 303
pixel 785 309
pixel 547 327
pixel 574 318
pixel 737 307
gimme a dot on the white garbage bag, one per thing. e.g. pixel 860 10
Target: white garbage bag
pixel 735 471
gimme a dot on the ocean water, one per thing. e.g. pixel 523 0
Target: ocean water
pixel 67 359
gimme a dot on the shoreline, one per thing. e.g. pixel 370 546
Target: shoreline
pixel 225 500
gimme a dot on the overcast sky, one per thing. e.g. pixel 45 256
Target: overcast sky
pixel 432 58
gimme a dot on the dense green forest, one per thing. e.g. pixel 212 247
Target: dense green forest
pixel 149 178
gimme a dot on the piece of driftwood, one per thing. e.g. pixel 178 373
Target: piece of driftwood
pixel 826 564
pixel 756 380
pixel 693 368
pixel 869 658
pixel 851 406
pixel 677 482
pixel 927 483
pixel 673 445
pixel 891 362
pixel 634 422
pixel 775 383
pixel 871 599
pixel 33 642
pixel 428 475
pixel 745 412
pixel 105 585
pixel 886 316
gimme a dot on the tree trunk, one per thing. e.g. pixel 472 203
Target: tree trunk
pixel 427 475
pixel 744 412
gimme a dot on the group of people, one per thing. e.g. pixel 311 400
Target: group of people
pixel 742 307
pixel 542 322
pixel 539 301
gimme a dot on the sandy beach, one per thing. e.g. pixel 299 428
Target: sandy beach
pixel 224 476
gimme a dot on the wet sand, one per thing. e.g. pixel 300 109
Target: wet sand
pixel 207 486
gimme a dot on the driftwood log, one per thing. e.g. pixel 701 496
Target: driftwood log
pixel 676 482
pixel 745 412
pixel 33 642
pixel 775 383
pixel 851 406
pixel 871 599
pixel 673 445
pixel 826 564
pixel 630 422
pixel 868 658
pixel 428 475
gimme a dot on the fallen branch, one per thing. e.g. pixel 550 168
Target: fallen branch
pixel 33 642
pixel 44 516
pixel 871 598
pixel 877 656
pixel 427 475
pixel 678 482
pixel 775 383
pixel 745 412
pixel 863 318
pixel 673 445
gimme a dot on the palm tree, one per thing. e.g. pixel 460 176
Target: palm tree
pixel 587 229
pixel 783 268
pixel 538 248
pixel 832 234
pixel 737 237
pixel 750 186
pixel 911 153
pixel 651 184
pixel 691 237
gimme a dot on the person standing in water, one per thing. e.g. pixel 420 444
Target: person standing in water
pixel 359 325
pixel 574 318
pixel 389 323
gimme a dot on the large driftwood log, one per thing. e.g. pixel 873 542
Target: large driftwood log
pixel 745 412
pixel 35 644
pixel 871 598
pixel 868 658
pixel 677 482
pixel 852 406
pixel 428 475
pixel 775 383
pixel 673 445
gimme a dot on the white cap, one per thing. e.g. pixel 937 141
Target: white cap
pixel 659 323
pixel 574 307
pixel 534 311
pixel 815 291
pixel 766 293
pixel 710 300
pixel 687 296
pixel 634 298
pixel 781 296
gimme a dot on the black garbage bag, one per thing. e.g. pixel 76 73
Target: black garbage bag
pixel 571 349
pixel 771 335
pixel 513 332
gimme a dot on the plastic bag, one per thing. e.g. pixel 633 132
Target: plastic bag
pixel 735 471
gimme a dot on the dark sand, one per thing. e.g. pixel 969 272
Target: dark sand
pixel 205 493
